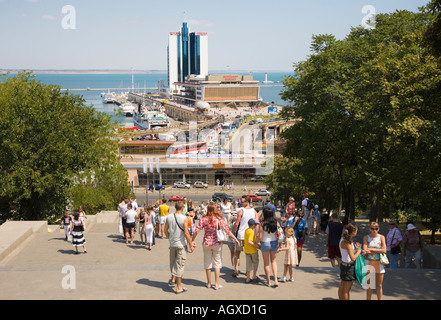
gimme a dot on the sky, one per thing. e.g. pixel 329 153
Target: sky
pixel 251 35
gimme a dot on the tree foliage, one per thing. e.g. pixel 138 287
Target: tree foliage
pixel 370 128
pixel 51 145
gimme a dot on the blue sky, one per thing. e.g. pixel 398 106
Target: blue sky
pixel 114 34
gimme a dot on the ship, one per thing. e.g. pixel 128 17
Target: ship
pixel 108 97
pixel 127 109
pixel 149 117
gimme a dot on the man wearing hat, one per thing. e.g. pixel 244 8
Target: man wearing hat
pixel 307 213
pixel 412 246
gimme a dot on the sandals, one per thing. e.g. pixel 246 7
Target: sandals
pixel 183 291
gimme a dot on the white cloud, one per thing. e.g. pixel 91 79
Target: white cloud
pixel 47 17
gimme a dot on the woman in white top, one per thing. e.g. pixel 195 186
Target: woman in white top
pixel 226 210
pixel 349 253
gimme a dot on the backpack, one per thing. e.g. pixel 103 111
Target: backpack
pixel 309 204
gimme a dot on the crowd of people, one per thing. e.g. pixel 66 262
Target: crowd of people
pixel 242 228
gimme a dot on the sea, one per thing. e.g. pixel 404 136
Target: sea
pixel 268 92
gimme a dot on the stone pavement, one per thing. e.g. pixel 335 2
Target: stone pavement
pixel 113 270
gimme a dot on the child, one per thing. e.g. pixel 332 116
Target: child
pixel 67 219
pixel 290 254
pixel 250 249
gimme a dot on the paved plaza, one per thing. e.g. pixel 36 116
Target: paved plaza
pixel 44 266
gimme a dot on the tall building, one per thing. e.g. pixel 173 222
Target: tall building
pixel 187 54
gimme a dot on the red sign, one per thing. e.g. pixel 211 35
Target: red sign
pixel 174 33
pixel 231 77
pixel 201 33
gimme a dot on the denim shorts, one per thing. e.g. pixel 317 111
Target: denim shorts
pixel 266 246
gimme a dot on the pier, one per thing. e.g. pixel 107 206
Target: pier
pixel 108 89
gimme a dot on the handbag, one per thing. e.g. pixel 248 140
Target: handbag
pixel 220 233
pixel 397 249
pixel 360 270
pixel 383 259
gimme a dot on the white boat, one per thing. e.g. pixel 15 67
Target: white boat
pixel 149 117
pixel 108 98
pixel 128 109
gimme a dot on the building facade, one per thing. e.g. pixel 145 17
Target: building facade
pixel 187 54
pixel 219 89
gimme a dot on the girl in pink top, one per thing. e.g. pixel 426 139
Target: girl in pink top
pixel 211 246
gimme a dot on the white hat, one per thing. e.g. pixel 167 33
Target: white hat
pixel 316 206
pixel 410 227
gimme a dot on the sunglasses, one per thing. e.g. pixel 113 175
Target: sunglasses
pixel 375 229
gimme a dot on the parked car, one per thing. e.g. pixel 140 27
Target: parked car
pixel 200 184
pixel 220 196
pixel 254 197
pixel 176 198
pixel 263 192
pixel 156 187
pixel 181 184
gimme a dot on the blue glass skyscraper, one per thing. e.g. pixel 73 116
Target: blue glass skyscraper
pixel 187 54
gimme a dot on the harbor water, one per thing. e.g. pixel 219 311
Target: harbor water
pixel 268 92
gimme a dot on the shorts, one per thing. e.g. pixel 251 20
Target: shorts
pixel 266 246
pixel 130 225
pixel 162 219
pixel 347 272
pixel 178 256
pixel 240 247
pixel 252 262
pixel 334 252
pixel 300 243
pixel 213 257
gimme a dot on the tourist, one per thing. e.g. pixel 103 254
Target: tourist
pixel 76 231
pixel 290 254
pixel 315 220
pixel 374 244
pixel 290 208
pixel 324 219
pixel 163 212
pixel 82 216
pixel 307 208
pixel 122 213
pixel 149 227
pixel 251 251
pixel 269 204
pixel 176 230
pixel 245 213
pixel 349 253
pixel 66 222
pixel 300 233
pixel 412 246
pixel 130 217
pixel 141 225
pixel 212 247
pixel 393 240
pixel 269 244
pixel 185 209
pixel 334 231
pixel 226 209
pixel 120 220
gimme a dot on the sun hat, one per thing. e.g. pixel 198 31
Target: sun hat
pixel 410 227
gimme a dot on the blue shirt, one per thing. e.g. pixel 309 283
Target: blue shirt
pixel 273 207
pixel 298 229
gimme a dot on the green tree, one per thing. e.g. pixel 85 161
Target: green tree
pixel 368 109
pixel 49 140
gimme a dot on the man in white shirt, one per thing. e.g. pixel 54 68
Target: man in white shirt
pixel 130 217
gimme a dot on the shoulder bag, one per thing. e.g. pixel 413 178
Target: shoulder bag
pixel 220 233
pixel 188 246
